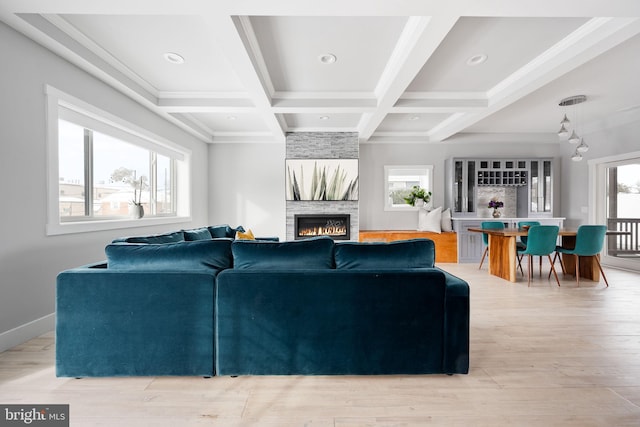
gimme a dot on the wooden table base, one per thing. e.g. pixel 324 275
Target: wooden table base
pixel 503 261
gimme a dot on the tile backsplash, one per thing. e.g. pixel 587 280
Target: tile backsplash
pixel 507 195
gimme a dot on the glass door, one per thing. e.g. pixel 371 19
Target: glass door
pixel 619 208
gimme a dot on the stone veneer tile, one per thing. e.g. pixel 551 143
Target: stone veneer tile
pixel 508 195
pixel 322 145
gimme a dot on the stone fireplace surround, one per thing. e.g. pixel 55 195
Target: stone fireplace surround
pixel 322 145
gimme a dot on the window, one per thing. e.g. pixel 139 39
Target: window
pixel 398 182
pixel 100 165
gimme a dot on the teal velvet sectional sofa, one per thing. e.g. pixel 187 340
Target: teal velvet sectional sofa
pixel 219 306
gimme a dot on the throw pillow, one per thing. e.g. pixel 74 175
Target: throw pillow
pixel 446 220
pixel 218 231
pixel 197 234
pixel 173 237
pixel 248 235
pixel 430 221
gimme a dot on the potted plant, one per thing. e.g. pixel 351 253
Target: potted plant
pixel 418 196
pixel 136 208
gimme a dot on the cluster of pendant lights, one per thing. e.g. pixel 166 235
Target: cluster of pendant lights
pixel 565 125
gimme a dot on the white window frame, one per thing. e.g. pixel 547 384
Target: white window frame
pixel 428 169
pixel 57 102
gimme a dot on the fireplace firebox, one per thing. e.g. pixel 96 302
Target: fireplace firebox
pixel 335 226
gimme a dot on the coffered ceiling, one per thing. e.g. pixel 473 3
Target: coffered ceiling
pixel 404 71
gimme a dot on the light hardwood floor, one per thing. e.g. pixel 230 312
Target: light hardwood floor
pixel 540 356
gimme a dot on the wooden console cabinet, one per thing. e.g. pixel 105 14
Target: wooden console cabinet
pixel 446 242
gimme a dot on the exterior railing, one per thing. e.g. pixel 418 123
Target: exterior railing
pixel 627 244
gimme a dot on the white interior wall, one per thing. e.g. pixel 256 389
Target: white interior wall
pixel 247 187
pixel 615 140
pixel 29 259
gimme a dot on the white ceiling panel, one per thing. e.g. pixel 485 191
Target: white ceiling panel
pixel 415 122
pixel 232 122
pixel 292 46
pixel 140 42
pixel 508 43
pixel 605 87
pixel 400 72
pixel 344 122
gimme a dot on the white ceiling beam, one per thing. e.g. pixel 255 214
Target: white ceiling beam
pixel 237 41
pixel 419 39
pixel 206 105
pixel 590 40
pixel 324 105
pixel 439 105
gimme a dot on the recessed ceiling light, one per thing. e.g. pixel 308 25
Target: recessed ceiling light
pixel 174 58
pixel 414 118
pixel 477 59
pixel 324 117
pixel 328 58
pixel 231 117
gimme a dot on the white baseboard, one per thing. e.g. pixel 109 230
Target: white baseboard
pixel 23 333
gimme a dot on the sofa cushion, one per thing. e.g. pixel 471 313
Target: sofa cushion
pixel 197 234
pixel 213 254
pixel 173 237
pixel 314 253
pixel 414 253
pixel 224 230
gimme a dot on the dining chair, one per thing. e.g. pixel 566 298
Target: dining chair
pixel 541 242
pixel 523 242
pixel 488 225
pixel 589 242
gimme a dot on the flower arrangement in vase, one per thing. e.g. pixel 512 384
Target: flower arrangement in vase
pixel 495 204
pixel 135 208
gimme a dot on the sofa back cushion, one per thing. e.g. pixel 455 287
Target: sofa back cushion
pixel 214 254
pixel 314 253
pixel 415 253
pixel 197 234
pixel 173 237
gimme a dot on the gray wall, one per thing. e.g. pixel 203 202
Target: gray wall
pixel 29 259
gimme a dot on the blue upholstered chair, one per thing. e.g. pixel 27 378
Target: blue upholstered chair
pixel 589 242
pixel 521 224
pixel 523 242
pixel 494 225
pixel 541 242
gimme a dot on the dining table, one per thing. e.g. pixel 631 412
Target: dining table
pixel 503 260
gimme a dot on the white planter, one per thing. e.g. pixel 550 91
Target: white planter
pixel 136 211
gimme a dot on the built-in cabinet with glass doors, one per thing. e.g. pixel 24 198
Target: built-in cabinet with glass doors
pixel 540 188
pixel 532 177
